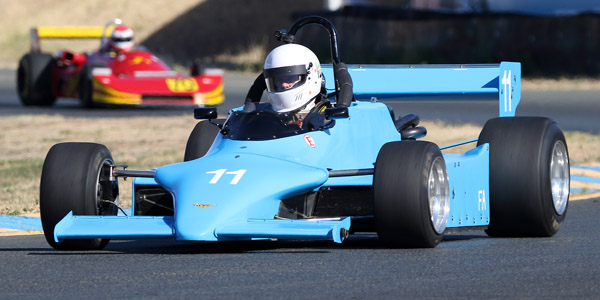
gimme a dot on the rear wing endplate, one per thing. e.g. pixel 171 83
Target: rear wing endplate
pixel 499 82
pixel 63 32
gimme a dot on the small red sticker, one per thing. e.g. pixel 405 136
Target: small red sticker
pixel 309 140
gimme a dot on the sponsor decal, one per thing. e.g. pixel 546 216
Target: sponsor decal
pixel 309 141
pixel 138 60
pixel 481 205
pixel 204 205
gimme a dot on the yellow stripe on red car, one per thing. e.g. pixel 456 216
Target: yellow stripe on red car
pixel 213 97
pixel 108 95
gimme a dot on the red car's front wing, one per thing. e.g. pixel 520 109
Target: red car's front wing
pixel 205 89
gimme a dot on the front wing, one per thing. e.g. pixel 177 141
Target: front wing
pixel 125 227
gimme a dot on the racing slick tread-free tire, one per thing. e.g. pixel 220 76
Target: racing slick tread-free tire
pixel 86 87
pixel 400 187
pixel 73 179
pixel 34 79
pixel 521 197
pixel 201 139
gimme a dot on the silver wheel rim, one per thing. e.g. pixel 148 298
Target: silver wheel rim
pixel 438 195
pixel 559 177
pixel 99 189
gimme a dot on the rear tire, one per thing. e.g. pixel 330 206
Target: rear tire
pixel 201 139
pixel 529 176
pixel 411 194
pixel 75 178
pixel 34 79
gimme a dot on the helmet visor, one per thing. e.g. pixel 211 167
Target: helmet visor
pixel 285 78
pixel 121 39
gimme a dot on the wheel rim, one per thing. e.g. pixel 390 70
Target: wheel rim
pixel 559 177
pixel 438 195
pixel 102 183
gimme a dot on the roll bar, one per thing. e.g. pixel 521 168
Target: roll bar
pixel 289 36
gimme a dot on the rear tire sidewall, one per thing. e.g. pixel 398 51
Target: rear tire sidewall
pixel 400 186
pixel 69 183
pixel 549 220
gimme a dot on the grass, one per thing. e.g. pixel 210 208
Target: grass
pixel 144 142
pixel 140 142
pixel 18 181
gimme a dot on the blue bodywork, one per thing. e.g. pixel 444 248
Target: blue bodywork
pixel 234 192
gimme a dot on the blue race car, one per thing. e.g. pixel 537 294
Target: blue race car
pixel 350 166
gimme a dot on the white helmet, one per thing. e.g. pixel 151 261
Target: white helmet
pixel 121 39
pixel 293 76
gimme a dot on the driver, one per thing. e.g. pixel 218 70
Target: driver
pixel 121 39
pixel 294 83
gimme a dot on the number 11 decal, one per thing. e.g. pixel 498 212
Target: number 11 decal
pixel 220 172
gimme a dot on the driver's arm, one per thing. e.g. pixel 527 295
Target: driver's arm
pixel 255 93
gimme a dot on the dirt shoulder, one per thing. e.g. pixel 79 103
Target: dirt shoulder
pixel 546 84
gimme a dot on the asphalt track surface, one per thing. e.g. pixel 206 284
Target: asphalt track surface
pixel 464 265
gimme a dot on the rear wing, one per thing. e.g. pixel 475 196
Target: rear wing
pixel 499 82
pixel 64 32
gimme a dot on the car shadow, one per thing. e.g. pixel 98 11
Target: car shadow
pixel 169 246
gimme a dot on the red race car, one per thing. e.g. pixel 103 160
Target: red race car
pixel 115 74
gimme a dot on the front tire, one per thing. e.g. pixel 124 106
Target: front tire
pixel 529 176
pixel 411 194
pixel 86 87
pixel 75 177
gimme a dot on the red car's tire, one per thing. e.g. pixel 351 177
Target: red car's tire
pixel 86 87
pixel 34 79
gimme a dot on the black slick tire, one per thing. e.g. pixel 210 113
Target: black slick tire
pixel 86 87
pixel 34 79
pixel 522 202
pixel 201 139
pixel 75 178
pixel 401 202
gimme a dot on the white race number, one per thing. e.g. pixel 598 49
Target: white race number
pixel 220 172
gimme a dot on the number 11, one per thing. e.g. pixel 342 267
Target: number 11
pixel 219 173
